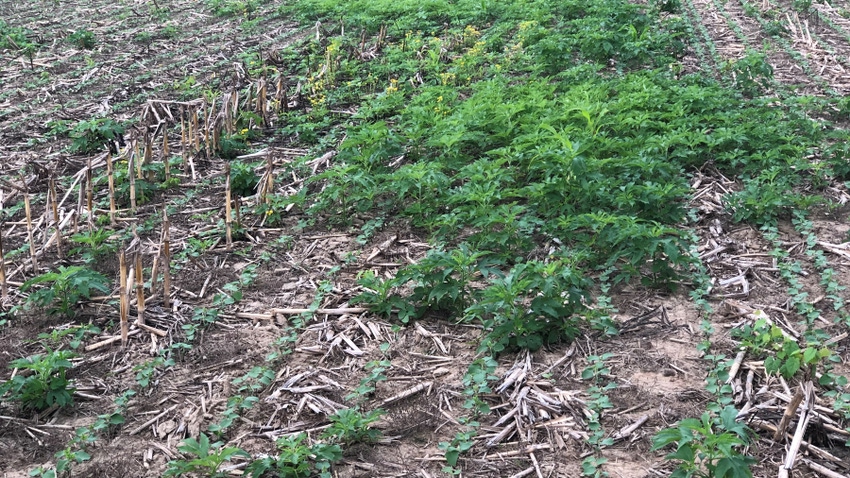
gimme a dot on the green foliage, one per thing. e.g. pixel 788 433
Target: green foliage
pixel 77 332
pixel 208 458
pixel 708 447
pixel 513 162
pixel 375 373
pixel 350 426
pixel 45 386
pixel 802 6
pixel 12 37
pixel 194 247
pixel 441 282
pixel 57 128
pixel 151 181
pixel 716 383
pixel 274 207
pixel 84 39
pixel 236 404
pixel 65 459
pixel 87 435
pixel 668 6
pixel 232 8
pixel 17 39
pixel 257 379
pixel 296 459
pixel 66 288
pixel 782 355
pixel 243 179
pixel 146 371
pixel 534 304
pixel 476 383
pixel 597 371
pixel 202 318
pixel 775 28
pixel 90 136
pixel 94 245
pixel 232 291
pixel 461 443
pixel 752 73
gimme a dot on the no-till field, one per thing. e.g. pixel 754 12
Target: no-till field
pixel 181 70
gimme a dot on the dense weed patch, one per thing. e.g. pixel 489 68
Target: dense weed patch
pixel 529 138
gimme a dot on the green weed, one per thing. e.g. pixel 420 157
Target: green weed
pixel 296 459
pixel 66 289
pixel 90 136
pixel 350 426
pixel 208 458
pixel 20 40
pixel 45 386
pixel 230 8
pixel 94 245
pixel 84 39
pixel 708 447
pixel 534 304
pixel 77 332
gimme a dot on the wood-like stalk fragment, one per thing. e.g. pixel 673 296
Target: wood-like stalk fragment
pixel 140 290
pixel 124 308
pixel 807 390
pixel 227 208
pixel 196 134
pixel 248 101
pixel 105 342
pixel 238 209
pixel 166 261
pixel 268 181
pixel 28 210
pixel 282 102
pixel 165 156
pixel 54 206
pixel 138 162
pixel 340 311
pixel 110 176
pixel 790 413
pixel 4 287
pixel 89 197
pixel 262 102
pixel 184 150
pixel 208 127
pixel 132 177
pixel 78 212
pixel 148 158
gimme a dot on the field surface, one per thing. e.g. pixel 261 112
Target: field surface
pixel 354 238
